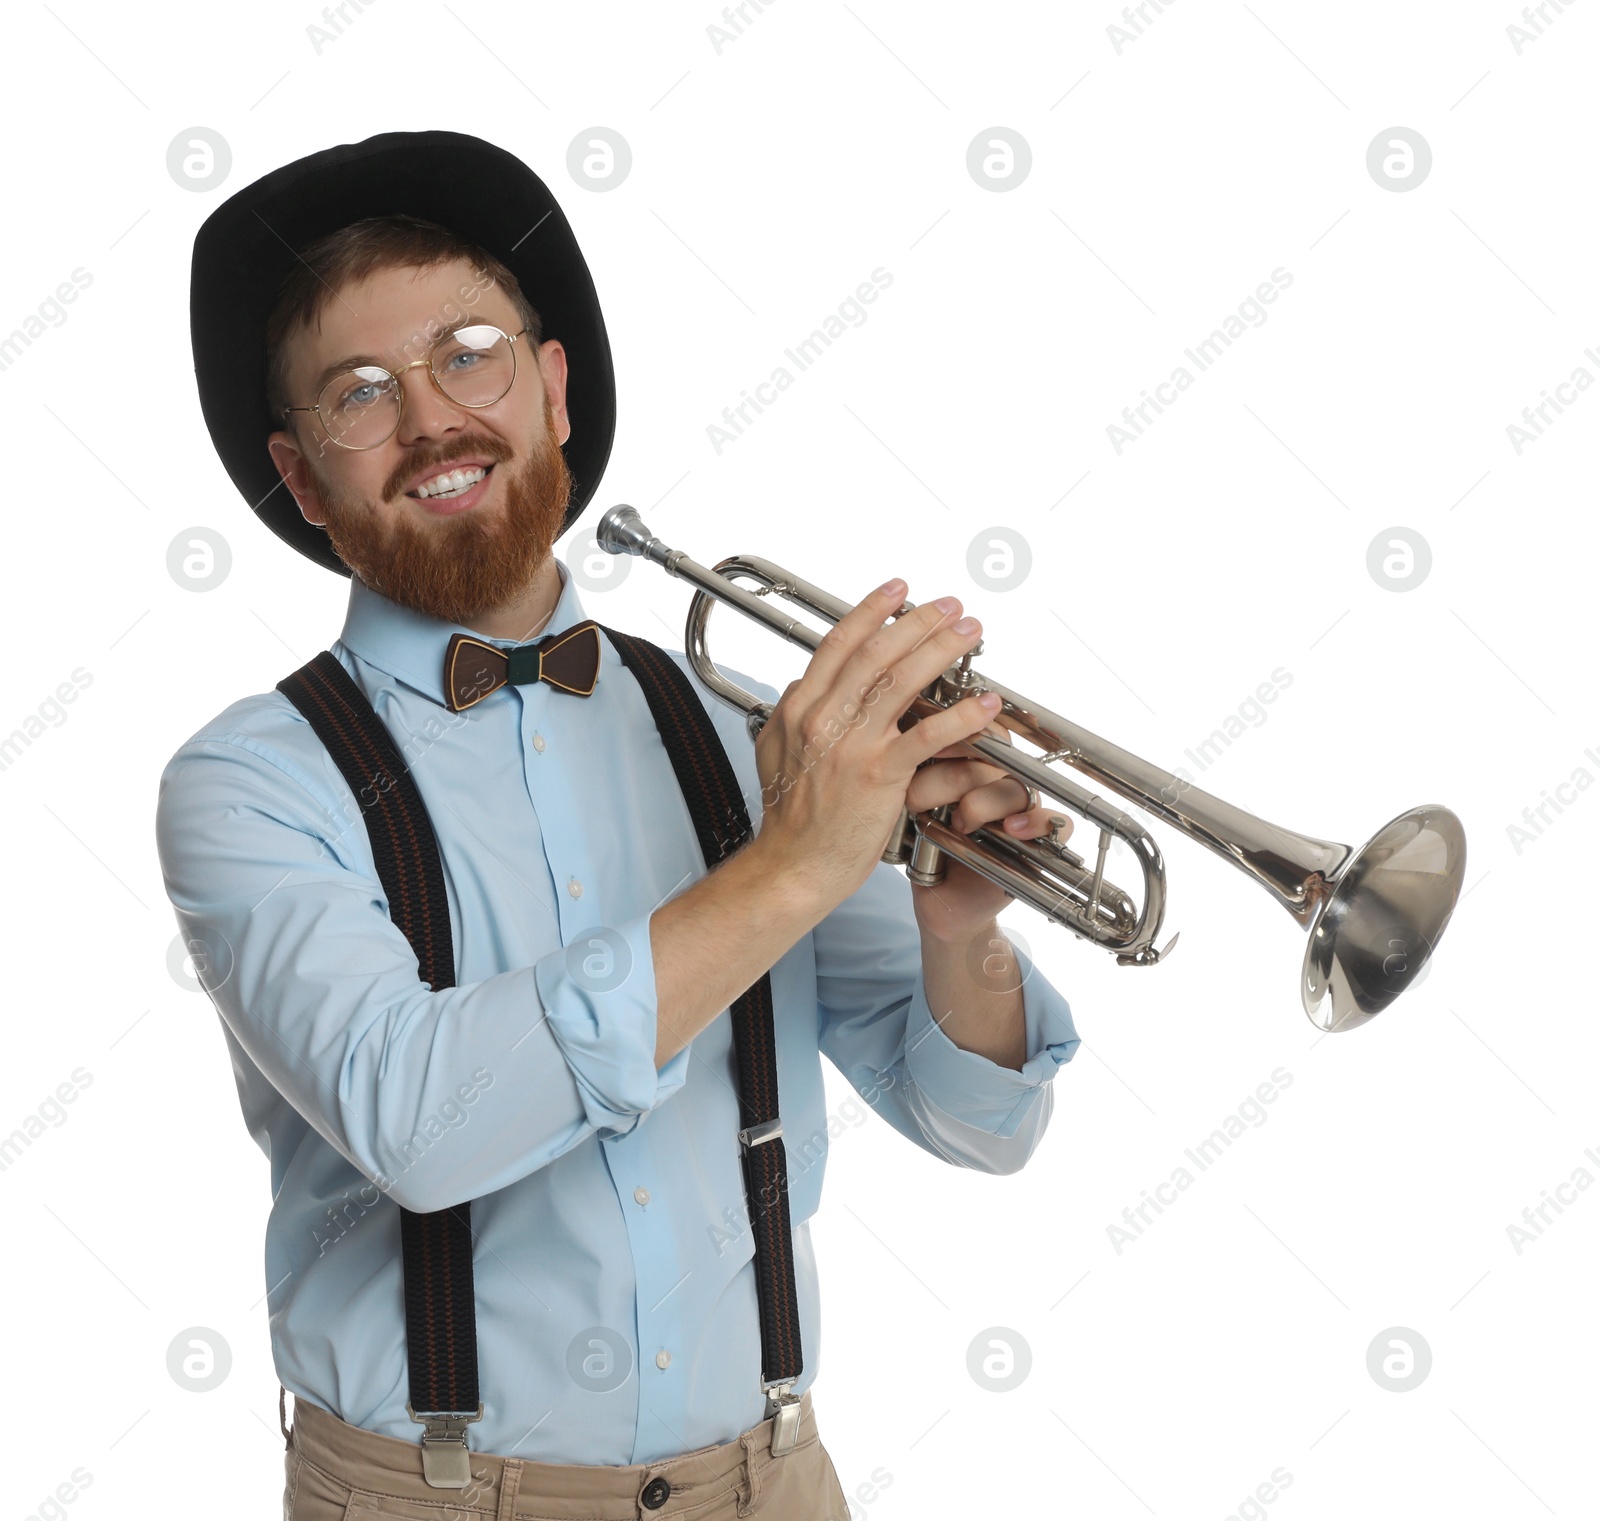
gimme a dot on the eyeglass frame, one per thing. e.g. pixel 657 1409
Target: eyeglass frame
pixel 394 375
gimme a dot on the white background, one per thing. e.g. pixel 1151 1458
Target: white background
pixel 771 174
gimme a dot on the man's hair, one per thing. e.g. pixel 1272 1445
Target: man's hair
pixel 351 254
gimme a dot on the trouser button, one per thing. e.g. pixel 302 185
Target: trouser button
pixel 654 1495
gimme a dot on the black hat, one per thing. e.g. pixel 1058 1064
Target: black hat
pixel 248 244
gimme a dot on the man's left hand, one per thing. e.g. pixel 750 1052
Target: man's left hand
pixel 984 795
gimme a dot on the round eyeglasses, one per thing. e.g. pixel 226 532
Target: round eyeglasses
pixel 473 366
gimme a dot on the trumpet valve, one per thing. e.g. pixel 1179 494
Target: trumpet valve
pixel 961 681
pixel 926 865
pixel 901 842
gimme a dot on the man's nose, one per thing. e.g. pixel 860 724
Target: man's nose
pixel 425 411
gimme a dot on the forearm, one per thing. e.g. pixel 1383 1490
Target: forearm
pixel 963 980
pixel 712 942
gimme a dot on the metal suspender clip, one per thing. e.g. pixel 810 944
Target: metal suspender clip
pixel 783 1408
pixel 445 1462
pixel 767 1130
pixel 783 1405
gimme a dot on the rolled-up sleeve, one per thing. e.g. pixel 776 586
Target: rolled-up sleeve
pixel 288 926
pixel 877 1028
pixel 609 1042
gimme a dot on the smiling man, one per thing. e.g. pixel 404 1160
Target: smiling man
pixel 475 546
pixel 521 1034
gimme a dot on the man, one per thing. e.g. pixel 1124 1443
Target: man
pixel 404 334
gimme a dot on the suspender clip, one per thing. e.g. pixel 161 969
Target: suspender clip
pixel 445 1461
pixel 783 1409
pixel 767 1130
pixel 783 1404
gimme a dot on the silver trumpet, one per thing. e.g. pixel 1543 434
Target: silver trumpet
pixel 1374 915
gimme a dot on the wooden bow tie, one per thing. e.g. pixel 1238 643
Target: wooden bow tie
pixel 569 661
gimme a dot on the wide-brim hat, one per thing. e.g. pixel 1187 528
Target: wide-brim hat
pixel 248 245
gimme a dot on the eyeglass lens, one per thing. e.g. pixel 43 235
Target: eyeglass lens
pixel 474 366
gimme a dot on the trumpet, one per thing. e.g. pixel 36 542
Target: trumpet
pixel 1373 916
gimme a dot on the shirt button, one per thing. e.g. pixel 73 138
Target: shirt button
pixel 641 1194
pixel 575 887
pixel 663 1357
pixel 538 742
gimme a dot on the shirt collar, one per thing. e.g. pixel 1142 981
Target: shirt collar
pixel 410 645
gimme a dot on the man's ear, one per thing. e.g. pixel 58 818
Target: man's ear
pixel 292 466
pixel 552 365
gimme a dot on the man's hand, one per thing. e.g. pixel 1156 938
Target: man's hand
pixel 834 764
pixel 983 794
pixel 835 771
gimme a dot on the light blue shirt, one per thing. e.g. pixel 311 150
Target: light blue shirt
pixel 616 1297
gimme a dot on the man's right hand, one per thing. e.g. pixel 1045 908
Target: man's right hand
pixel 833 760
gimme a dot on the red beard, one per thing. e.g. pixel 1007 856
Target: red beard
pixel 458 568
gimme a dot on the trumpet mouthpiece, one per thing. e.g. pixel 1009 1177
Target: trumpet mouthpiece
pixel 622 531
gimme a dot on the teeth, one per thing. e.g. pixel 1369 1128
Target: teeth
pixel 453 483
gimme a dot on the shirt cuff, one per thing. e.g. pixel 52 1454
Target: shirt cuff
pixel 972 1088
pixel 599 995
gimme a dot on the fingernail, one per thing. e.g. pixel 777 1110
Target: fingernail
pixel 967 625
pixel 892 588
pixel 989 700
pixel 947 604
pixel 1017 821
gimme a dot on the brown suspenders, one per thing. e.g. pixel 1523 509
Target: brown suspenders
pixel 441 1323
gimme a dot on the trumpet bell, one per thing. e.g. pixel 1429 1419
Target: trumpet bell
pixel 1386 912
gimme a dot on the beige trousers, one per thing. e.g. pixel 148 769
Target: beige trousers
pixel 339 1472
